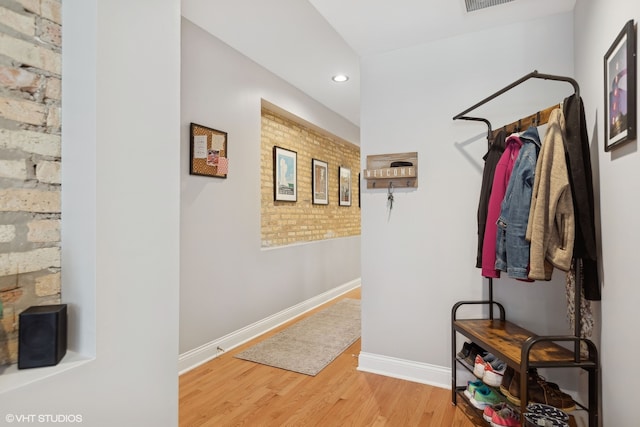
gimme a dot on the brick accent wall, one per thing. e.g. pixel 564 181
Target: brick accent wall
pixel 30 160
pixel 286 223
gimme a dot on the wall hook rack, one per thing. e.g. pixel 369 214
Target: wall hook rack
pixel 388 171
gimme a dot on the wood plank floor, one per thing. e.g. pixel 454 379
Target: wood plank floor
pixel 232 392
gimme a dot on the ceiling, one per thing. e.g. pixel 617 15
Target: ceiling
pixel 306 42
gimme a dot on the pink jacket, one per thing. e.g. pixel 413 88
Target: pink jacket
pixel 500 182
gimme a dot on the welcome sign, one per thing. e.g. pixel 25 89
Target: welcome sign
pixel 399 170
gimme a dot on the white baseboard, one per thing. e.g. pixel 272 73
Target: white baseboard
pixel 196 357
pixel 408 370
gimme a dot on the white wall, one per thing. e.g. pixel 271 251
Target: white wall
pixel 121 217
pixel 597 23
pixel 419 260
pixel 227 281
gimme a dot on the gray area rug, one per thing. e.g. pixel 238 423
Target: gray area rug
pixel 309 345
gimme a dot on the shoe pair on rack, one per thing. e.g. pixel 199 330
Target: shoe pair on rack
pixel 502 415
pixel 544 415
pixel 480 395
pixel 469 352
pixel 539 390
pixel 490 369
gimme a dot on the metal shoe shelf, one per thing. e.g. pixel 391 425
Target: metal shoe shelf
pixel 522 350
pixel 519 348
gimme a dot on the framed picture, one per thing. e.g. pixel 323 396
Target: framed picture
pixel 320 182
pixel 620 89
pixel 209 156
pixel 285 176
pixel 359 191
pixel 344 175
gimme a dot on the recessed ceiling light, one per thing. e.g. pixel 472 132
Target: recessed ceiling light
pixel 340 78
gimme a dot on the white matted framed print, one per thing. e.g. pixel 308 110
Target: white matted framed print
pixel 320 182
pixel 344 182
pixel 285 176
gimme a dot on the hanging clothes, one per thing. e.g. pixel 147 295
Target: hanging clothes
pixel 512 247
pixel 581 181
pixel 551 227
pixel 504 168
pixel 490 162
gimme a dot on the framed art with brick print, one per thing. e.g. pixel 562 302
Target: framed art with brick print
pixel 209 154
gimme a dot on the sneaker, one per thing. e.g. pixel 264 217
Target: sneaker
pixel 471 388
pixel 484 396
pixel 494 372
pixel 478 366
pixel 464 352
pixel 488 412
pixel 547 411
pixel 474 350
pixel 541 420
pixel 508 417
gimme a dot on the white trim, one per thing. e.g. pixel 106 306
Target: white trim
pixel 196 357
pixel 409 370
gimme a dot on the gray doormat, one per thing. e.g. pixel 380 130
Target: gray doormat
pixel 309 345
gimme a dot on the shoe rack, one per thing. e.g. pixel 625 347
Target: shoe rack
pixel 522 350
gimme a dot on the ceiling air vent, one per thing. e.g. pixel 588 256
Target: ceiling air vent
pixel 482 4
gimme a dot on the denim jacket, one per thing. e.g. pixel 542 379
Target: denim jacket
pixel 512 247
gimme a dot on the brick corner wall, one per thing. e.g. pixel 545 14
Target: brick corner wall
pixel 30 161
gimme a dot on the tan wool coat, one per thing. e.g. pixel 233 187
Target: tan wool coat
pixel 551 226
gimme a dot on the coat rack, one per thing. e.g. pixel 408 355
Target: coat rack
pixel 538 118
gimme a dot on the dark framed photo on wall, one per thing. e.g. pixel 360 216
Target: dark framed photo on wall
pixel 620 89
pixel 359 191
pixel 344 182
pixel 285 175
pixel 320 182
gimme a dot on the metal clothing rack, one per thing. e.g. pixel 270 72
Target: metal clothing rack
pixel 532 75
pixel 591 364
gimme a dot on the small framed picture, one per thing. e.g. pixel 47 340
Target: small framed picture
pixel 285 176
pixel 320 182
pixel 344 175
pixel 359 190
pixel 620 89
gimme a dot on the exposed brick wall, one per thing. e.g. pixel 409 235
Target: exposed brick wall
pixel 30 160
pixel 285 223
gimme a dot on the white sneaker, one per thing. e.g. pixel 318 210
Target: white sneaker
pixel 480 362
pixel 493 372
